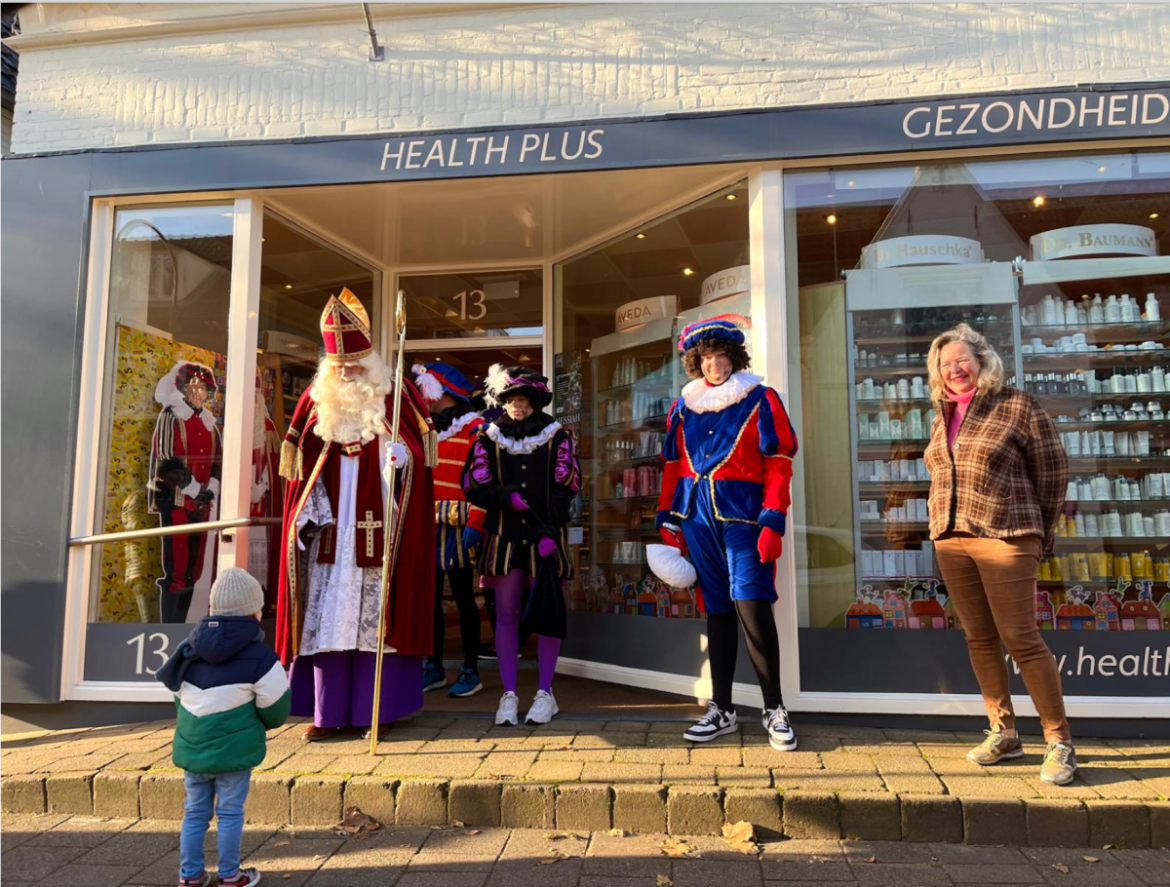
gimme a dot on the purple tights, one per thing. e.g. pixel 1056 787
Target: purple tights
pixel 508 594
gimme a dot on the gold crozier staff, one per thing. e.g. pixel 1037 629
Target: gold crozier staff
pixel 391 476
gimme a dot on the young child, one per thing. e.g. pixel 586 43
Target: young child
pixel 229 689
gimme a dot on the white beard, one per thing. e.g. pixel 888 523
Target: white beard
pixel 353 410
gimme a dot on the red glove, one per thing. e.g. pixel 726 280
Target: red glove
pixel 673 538
pixel 770 546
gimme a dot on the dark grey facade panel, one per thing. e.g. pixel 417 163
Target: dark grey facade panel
pixel 43 236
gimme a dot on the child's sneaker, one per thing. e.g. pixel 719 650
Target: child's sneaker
pixel 780 734
pixel 243 878
pixel 508 714
pixel 207 879
pixel 544 709
pixel 468 684
pixel 433 677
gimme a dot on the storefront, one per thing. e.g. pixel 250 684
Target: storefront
pixel 850 236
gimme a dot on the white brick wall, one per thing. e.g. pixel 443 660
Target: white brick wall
pixel 517 65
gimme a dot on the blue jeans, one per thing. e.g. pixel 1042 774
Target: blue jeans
pixel 226 792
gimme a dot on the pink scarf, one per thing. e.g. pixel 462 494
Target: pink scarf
pixel 961 402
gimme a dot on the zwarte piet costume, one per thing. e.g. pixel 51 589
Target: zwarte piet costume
pixel 728 465
pixel 525 474
pixel 185 459
pixel 458 523
pixel 336 498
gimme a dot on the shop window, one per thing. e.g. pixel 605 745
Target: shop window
pixel 474 305
pixel 1061 263
pixel 162 428
pixel 298 274
pixel 618 311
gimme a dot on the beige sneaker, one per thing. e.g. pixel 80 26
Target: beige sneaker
pixel 995 748
pixel 1060 764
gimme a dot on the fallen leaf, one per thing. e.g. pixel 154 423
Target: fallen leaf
pixel 552 859
pixel 355 822
pixel 676 848
pixel 472 831
pixel 617 832
pixel 664 881
pixel 1107 847
pixel 742 837
pixel 458 824
pixel 554 836
pixel 1060 867
pixel 1090 859
pixel 867 859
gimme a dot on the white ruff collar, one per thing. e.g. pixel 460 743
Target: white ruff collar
pixel 527 444
pixel 183 412
pixel 703 398
pixel 458 425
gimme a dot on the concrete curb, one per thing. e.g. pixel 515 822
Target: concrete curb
pixel 685 809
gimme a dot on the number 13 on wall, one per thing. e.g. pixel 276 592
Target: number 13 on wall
pixel 158 642
pixel 473 300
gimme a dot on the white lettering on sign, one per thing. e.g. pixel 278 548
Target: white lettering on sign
pixel 442 152
pixel 1032 115
pixel 1094 240
pixel 922 249
pixel 634 314
pixel 478 308
pixel 160 650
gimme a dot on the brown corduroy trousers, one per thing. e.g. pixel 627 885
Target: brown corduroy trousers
pixel 992 583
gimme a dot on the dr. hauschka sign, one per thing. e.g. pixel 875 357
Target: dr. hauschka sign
pixel 1081 241
pixel 921 249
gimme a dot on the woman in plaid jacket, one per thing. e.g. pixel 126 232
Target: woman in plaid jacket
pixel 998 478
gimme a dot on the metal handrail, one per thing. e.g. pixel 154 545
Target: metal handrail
pixel 176 530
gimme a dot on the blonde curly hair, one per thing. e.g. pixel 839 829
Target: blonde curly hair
pixel 990 365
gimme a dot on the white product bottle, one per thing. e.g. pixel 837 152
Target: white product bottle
pixel 1102 492
pixel 1087 493
pixel 1153 311
pixel 1158 379
pixel 1092 526
pixel 1112 523
pixel 1096 310
pixel 1162 523
pixel 1079 523
pixel 1083 312
pixel 1112 310
pixel 1127 309
pixel 1130 381
pixel 1145 382
pixel 1070 313
pixel 1048 308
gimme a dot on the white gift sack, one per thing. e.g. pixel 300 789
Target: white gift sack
pixel 670 566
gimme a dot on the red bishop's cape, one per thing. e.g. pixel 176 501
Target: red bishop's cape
pixel 410 602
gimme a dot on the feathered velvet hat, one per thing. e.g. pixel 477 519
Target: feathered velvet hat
pixel 727 328
pixel 436 379
pixel 345 328
pixel 505 382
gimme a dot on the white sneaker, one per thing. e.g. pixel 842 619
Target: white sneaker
pixel 507 713
pixel 544 709
pixel 780 735
pixel 714 724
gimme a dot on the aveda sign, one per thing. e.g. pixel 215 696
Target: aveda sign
pixel 632 315
pixel 727 283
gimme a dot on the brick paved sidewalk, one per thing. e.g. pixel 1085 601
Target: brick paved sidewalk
pixel 60 850
pixel 850 782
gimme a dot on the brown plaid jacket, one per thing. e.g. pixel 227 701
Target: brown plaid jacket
pixel 1008 474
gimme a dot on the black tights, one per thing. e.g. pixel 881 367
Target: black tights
pixel 463 589
pixel 763 645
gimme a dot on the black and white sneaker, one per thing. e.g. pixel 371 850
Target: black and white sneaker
pixel 780 735
pixel 714 724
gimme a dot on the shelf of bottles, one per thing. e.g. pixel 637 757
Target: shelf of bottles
pixel 633 390
pixel 895 565
pixel 1096 354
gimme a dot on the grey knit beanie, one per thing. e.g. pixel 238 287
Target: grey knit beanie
pixel 236 593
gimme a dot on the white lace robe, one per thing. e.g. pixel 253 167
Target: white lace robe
pixel 341 601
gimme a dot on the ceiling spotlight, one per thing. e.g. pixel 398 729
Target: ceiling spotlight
pixel 288 286
pixel 1153 215
pixel 831 218
pixel 1039 200
pixel 263 239
pixel 688 271
pixel 1100 169
pixel 732 197
pixel 640 236
pixel 852 183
